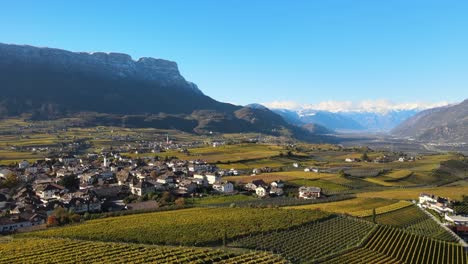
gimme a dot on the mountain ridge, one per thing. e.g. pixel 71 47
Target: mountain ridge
pixel 112 88
pixel 347 121
pixel 447 124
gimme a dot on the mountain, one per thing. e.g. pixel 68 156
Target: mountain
pixel 114 89
pixel 293 118
pixel 380 121
pixel 348 120
pixel 446 124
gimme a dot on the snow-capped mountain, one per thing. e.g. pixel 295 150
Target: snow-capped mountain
pixel 370 116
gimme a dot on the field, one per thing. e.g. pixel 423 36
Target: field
pixel 230 153
pixel 300 231
pixel 407 247
pixel 223 199
pixel 415 221
pixel 191 227
pixel 311 241
pixel 399 174
pixel 383 209
pixel 455 192
pixel 357 206
pixel 390 245
pixel 33 250
pixel 401 218
pixel 286 175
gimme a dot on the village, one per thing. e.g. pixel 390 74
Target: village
pixel 34 193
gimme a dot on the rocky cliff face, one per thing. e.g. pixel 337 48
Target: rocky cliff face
pixel 111 65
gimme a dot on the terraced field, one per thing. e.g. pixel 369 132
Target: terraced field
pixel 430 228
pixel 414 221
pixel 311 241
pixel 362 255
pixel 392 245
pixel 36 250
pixel 401 218
pixel 409 248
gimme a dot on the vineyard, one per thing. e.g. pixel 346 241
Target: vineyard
pixel 361 255
pixel 192 227
pixel 310 241
pixel 409 248
pixel 384 209
pixel 360 207
pixel 401 218
pixel 414 221
pixel 432 229
pixel 392 245
pixel 280 202
pixel 74 251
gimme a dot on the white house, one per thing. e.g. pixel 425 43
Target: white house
pixel 256 171
pixel 49 191
pixel 141 188
pixel 457 219
pixel 225 187
pixel 309 192
pixel 252 186
pixel 427 198
pixel 277 184
pixel 261 191
pixel 211 179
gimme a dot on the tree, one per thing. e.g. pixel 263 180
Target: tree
pixel 10 181
pixel 224 237
pixel 374 217
pixel 180 202
pixel 61 216
pixel 154 174
pixel 71 182
pixel 341 173
pixel 364 156
pixel 74 218
pixel 166 198
pixel 52 221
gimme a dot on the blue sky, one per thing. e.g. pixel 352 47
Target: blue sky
pixel 262 51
